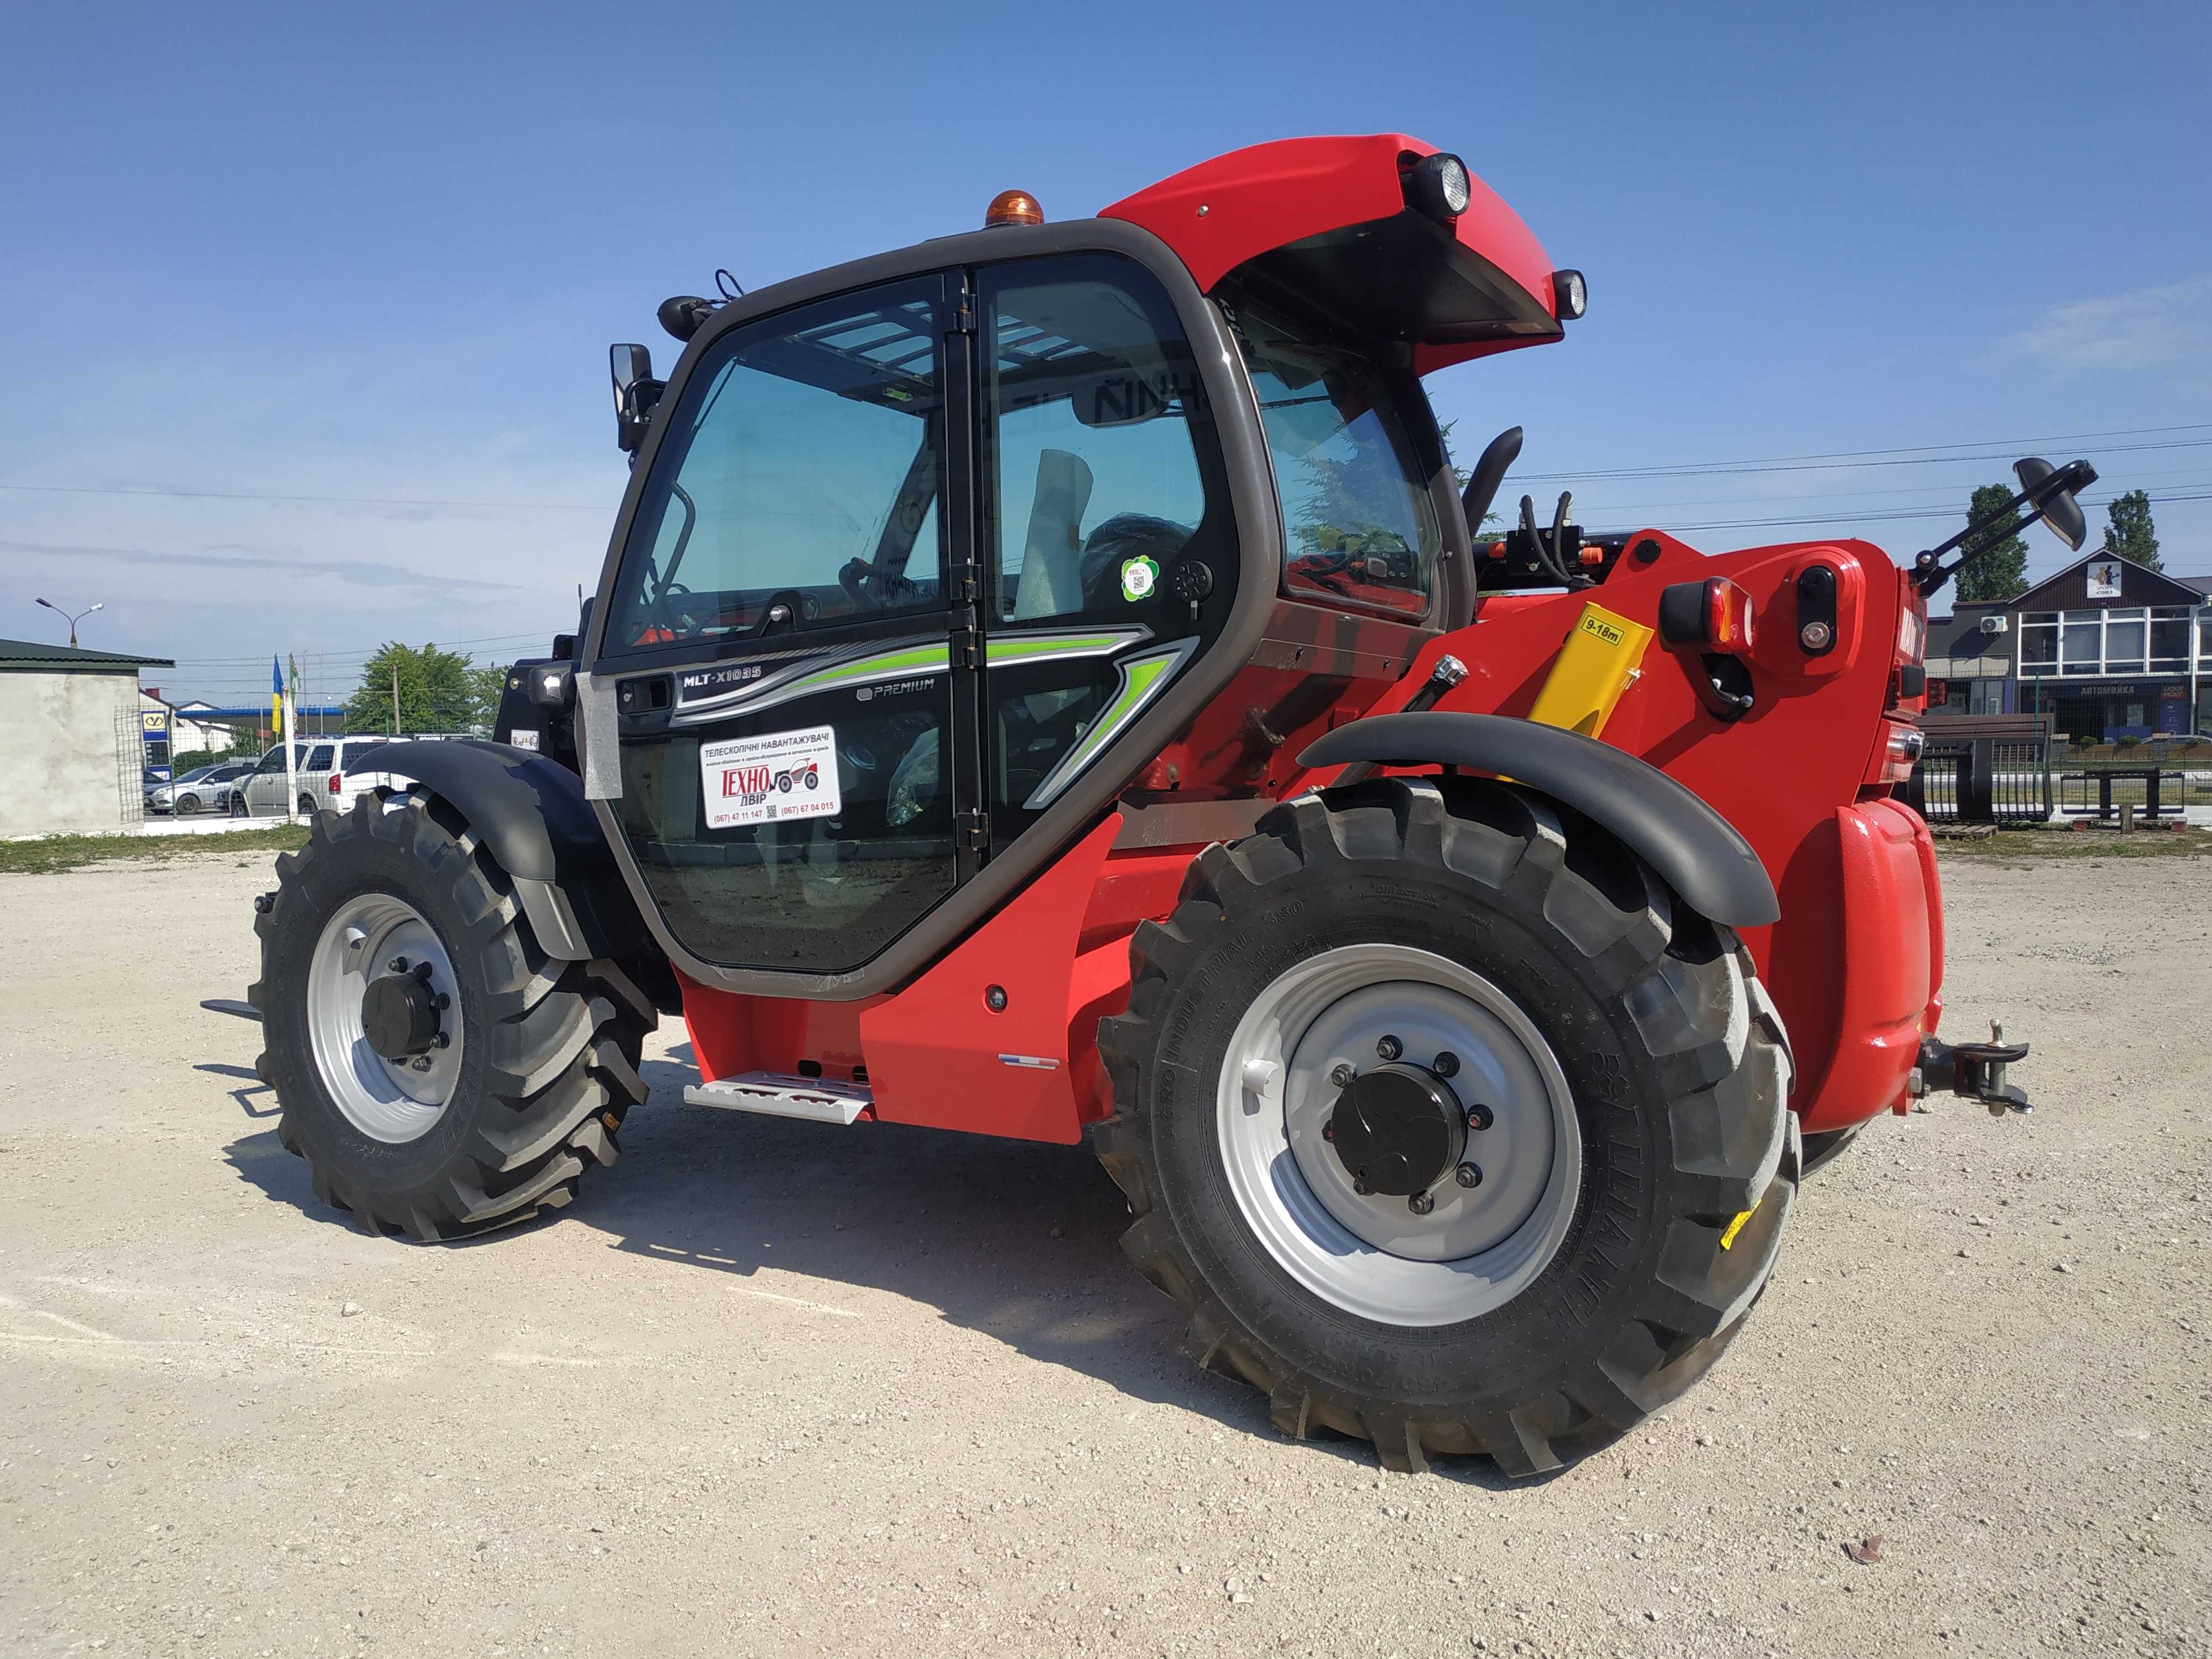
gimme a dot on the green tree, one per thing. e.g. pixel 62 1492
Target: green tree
pixel 487 684
pixel 2130 535
pixel 434 688
pixel 2001 573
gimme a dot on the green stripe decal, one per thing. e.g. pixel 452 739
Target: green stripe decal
pixel 918 660
pixel 1021 648
pixel 1141 680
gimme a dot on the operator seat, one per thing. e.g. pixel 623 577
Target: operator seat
pixel 1051 582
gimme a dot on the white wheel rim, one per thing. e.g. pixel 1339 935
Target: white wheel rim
pixel 391 1101
pixel 1371 1255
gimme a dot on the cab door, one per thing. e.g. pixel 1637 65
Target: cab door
pixel 1109 540
pixel 790 634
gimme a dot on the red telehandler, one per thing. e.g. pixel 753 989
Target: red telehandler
pixel 1050 682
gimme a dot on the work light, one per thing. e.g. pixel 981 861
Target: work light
pixel 1438 185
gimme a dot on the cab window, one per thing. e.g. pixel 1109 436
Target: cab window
pixel 1096 424
pixel 1359 522
pixel 798 485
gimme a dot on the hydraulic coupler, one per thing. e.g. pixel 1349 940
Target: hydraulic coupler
pixel 1975 1070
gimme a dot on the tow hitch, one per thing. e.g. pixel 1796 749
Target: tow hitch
pixel 1975 1070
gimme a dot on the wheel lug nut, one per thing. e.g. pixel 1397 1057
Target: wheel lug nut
pixel 443 1040
pixel 422 971
pixel 1468 1174
pixel 1420 1203
pixel 1447 1064
pixel 1328 1130
pixel 398 964
pixel 1342 1075
pixel 1479 1117
pixel 1359 1183
pixel 442 1002
pixel 1389 1048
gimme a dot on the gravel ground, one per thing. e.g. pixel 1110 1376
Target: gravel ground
pixel 771 1387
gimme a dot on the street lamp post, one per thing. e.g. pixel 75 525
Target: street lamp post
pixel 73 621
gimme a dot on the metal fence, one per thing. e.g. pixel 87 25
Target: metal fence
pixel 2099 790
pixel 1983 780
pixel 130 765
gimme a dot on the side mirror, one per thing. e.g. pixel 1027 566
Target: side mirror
pixel 636 393
pixel 2050 491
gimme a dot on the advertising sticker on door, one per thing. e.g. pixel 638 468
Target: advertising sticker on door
pixel 764 780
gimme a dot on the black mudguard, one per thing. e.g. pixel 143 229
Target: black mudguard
pixel 1697 852
pixel 531 812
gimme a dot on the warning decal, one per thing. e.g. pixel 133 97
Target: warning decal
pixel 763 779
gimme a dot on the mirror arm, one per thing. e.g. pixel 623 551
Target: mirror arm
pixel 1930 573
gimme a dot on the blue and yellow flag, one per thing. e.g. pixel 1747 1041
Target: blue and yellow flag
pixel 276 696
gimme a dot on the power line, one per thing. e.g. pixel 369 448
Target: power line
pixel 1899 515
pixel 352 653
pixel 1938 504
pixel 1921 449
pixel 1726 469
pixel 322 501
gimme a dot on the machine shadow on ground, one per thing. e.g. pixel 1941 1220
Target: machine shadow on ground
pixel 1012 1239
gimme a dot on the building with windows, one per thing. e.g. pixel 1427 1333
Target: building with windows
pixel 2108 648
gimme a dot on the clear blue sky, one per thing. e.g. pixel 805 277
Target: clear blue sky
pixel 378 254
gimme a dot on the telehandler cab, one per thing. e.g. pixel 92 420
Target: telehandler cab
pixel 1049 682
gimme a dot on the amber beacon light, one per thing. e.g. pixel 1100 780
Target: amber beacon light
pixel 1013 207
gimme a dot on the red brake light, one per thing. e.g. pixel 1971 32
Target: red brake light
pixel 335 781
pixel 1727 615
pixel 1713 615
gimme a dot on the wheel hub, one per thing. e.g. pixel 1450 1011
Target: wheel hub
pixel 1352 1058
pixel 1397 1129
pixel 399 1014
pixel 384 1017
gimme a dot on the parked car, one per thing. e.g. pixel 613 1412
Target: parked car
pixel 330 773
pixel 204 789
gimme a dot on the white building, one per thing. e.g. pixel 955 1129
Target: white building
pixel 70 745
pixel 186 734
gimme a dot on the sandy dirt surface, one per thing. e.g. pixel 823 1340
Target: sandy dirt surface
pixel 773 1387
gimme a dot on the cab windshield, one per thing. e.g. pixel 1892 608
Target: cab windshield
pixel 797 488
pixel 1359 523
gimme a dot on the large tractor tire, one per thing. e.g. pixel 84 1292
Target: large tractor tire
pixel 440 1074
pixel 1334 997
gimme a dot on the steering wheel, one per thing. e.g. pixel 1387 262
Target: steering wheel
pixel 859 573
pixel 1330 570
pixel 678 619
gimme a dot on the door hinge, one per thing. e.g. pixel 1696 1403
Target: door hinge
pixel 963 320
pixel 966 653
pixel 972 828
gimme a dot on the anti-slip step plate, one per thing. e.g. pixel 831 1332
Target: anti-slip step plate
pixel 776 1095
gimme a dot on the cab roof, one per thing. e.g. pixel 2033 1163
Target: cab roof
pixel 1325 223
